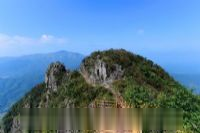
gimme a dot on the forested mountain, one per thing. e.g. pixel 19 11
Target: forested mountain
pixel 113 75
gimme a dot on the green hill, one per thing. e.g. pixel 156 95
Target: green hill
pixel 113 75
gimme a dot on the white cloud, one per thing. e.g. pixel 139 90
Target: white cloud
pixel 49 39
pixel 22 40
pixel 21 45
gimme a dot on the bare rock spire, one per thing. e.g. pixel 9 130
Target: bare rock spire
pixel 54 75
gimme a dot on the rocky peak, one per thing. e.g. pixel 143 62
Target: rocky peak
pixel 99 72
pixel 54 75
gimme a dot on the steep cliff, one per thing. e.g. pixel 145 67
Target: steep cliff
pixel 54 74
pixel 99 73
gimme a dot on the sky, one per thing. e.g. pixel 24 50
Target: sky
pixel 166 31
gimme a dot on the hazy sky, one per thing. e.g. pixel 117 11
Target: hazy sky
pixel 167 31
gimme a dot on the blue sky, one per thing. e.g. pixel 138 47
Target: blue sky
pixel 166 31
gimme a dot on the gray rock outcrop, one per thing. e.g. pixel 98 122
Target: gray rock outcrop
pixel 1 130
pixel 54 75
pixel 16 128
pixel 99 73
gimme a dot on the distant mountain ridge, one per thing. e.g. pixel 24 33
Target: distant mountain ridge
pixel 19 74
pixel 23 63
pixel 190 80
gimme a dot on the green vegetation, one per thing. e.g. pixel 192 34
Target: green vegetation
pixel 31 99
pixel 144 85
pixel 177 97
pixel 80 94
pixel 73 92
pixel 140 69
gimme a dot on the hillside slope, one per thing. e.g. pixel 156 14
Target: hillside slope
pixel 127 79
pixel 19 74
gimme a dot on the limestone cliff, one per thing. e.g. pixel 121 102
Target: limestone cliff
pixel 54 75
pixel 16 128
pixel 98 72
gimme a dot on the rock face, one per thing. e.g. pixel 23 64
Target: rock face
pixel 53 75
pixel 98 73
pixel 1 130
pixel 16 125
